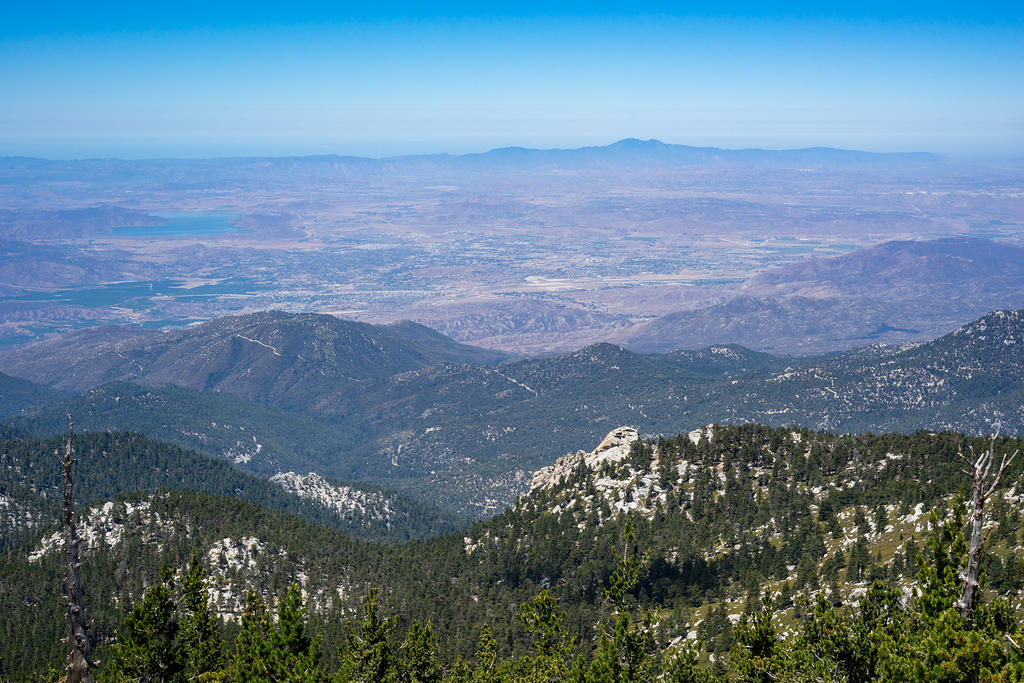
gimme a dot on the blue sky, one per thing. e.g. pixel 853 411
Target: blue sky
pixel 213 79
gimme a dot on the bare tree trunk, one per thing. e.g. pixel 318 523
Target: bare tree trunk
pixel 980 492
pixel 978 537
pixel 79 666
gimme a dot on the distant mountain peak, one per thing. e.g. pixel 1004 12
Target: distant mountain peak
pixel 638 143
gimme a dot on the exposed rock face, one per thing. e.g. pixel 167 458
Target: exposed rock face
pixel 613 448
pixel 107 524
pixel 234 562
pixel 708 431
pixel 343 499
pixel 17 515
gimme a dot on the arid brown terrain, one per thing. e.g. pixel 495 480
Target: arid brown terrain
pixel 526 251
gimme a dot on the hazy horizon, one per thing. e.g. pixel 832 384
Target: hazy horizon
pixel 389 150
pixel 116 79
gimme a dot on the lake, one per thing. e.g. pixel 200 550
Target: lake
pixel 183 224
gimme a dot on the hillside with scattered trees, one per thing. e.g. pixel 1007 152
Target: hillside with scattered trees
pixel 743 552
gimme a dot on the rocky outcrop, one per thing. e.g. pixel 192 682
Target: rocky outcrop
pixel 612 449
pixel 17 515
pixel 106 524
pixel 345 500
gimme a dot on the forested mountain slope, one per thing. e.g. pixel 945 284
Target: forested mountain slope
pixel 17 394
pixel 468 436
pixel 971 380
pixel 469 419
pixel 720 515
pixel 114 463
pixel 260 438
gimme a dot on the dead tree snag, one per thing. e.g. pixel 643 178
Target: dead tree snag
pixel 77 638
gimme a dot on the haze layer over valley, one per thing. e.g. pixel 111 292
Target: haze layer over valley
pixel 644 244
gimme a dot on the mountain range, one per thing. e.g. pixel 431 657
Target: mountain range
pixel 302 361
pixel 716 434
pixel 467 435
pixel 905 290
pixel 629 151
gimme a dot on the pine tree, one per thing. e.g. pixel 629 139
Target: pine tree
pixel 369 648
pixel 79 664
pixel 624 652
pixel 253 648
pixel 881 519
pixel 684 667
pixel 982 488
pixel 552 643
pixel 200 640
pixel 758 654
pixel 419 655
pixel 147 648
pixel 295 655
pixel 486 656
